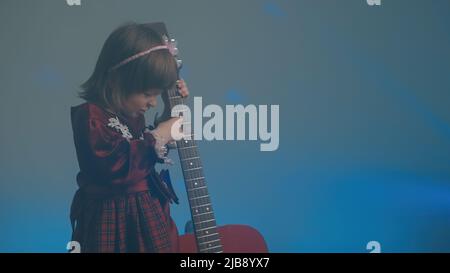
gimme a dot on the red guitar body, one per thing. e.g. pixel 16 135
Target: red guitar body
pixel 234 238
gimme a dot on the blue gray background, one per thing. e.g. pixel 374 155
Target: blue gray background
pixel 364 116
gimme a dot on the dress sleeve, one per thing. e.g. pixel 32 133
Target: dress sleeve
pixel 117 159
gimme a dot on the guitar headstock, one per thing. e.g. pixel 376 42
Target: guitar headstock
pixel 161 29
pixel 174 97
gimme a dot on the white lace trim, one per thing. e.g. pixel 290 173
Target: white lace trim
pixel 123 129
pixel 160 147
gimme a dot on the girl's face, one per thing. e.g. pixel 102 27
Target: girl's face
pixel 137 104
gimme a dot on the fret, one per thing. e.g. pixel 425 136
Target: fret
pixel 187 153
pixel 201 205
pixel 187 150
pixel 211 248
pixel 193 169
pixel 195 183
pixel 204 200
pixel 198 193
pixel 196 188
pixel 205 221
pixel 184 152
pixel 212 234
pixel 208 242
pixel 174 103
pixel 191 137
pixel 199 214
pixel 203 217
pixel 195 178
pixel 207 234
pixel 198 197
pixel 197 230
pixel 202 193
pixel 187 142
pixel 189 158
pixel 192 186
pixel 190 164
pixel 175 98
pixel 211 223
pixel 193 174
pixel 201 210
pixel 187 147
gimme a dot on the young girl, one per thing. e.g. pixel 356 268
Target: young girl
pixel 122 204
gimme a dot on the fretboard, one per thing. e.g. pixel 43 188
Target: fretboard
pixel 205 227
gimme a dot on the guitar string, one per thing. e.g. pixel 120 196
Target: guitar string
pixel 189 153
pixel 194 195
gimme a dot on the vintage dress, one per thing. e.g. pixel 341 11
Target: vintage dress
pixel 122 205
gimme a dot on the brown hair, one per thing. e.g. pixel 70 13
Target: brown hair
pixel 108 88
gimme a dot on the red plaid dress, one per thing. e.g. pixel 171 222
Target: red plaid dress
pixel 122 205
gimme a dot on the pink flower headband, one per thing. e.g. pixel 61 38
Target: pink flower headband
pixel 171 46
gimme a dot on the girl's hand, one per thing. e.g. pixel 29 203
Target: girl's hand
pixel 182 88
pixel 165 133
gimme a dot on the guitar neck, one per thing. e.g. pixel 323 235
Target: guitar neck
pixel 202 213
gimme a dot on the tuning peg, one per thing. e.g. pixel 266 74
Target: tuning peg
pixel 173 44
pixel 179 63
